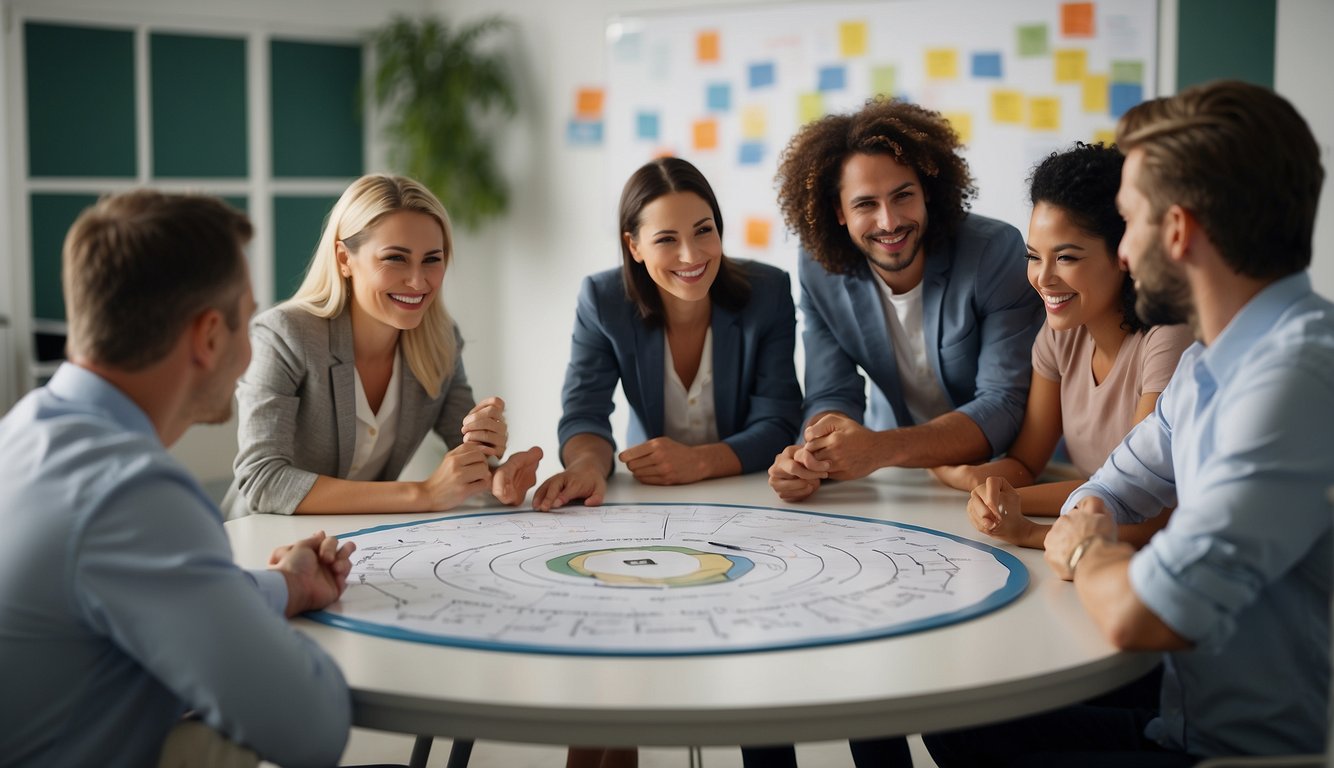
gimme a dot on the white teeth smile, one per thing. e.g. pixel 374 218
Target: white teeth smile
pixel 1057 300
pixel 890 240
pixel 406 299
pixel 692 273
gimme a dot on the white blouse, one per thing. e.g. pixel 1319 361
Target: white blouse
pixel 688 416
pixel 375 431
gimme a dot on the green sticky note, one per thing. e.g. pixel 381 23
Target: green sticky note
pixel 882 80
pixel 1033 40
pixel 1128 72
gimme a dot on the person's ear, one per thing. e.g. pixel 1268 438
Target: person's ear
pixel 206 338
pixel 343 254
pixel 838 211
pixel 633 246
pixel 1180 227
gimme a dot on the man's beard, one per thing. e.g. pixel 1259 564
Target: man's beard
pixel 1162 295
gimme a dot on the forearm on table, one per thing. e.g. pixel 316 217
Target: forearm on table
pixel 588 450
pixel 1045 499
pixel 333 496
pixel 717 460
pixel 1102 579
pixel 949 439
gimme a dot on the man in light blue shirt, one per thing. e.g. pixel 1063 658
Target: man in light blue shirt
pixel 1219 193
pixel 120 607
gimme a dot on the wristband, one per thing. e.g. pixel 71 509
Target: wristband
pixel 1077 553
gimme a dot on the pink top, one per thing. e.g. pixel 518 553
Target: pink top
pixel 1095 417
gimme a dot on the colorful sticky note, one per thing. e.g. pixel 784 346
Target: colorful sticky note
pixel 718 97
pixel 834 78
pixel 1070 64
pixel 987 64
pixel 1104 137
pixel 1007 107
pixel 588 102
pixel 629 47
pixel 1077 19
pixel 810 106
pixel 852 38
pixel 1124 96
pixel 584 132
pixel 1128 72
pixel 942 63
pixel 1032 39
pixel 753 122
pixel 707 46
pixel 751 153
pixel 706 134
pixel 761 74
pixel 882 80
pixel 647 126
pixel 1095 89
pixel 962 123
pixel 1044 113
pixel 664 152
pixel 757 232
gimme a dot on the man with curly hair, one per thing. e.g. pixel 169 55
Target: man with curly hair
pixel 898 279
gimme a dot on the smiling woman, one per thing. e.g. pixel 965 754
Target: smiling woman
pixel 329 414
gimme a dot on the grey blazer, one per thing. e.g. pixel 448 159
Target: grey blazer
pixel 297 409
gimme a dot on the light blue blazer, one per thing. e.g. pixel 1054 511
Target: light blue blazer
pixel 979 316
pixel 757 400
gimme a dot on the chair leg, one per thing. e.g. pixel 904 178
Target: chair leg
pixel 460 753
pixel 421 750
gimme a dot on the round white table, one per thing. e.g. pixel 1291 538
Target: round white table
pixel 1039 652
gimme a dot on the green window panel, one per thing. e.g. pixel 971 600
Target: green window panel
pixel 1232 39
pixel 51 217
pixel 315 92
pixel 240 203
pixel 198 96
pixel 297 224
pixel 80 83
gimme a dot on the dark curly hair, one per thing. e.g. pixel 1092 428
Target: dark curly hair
pixel 663 176
pixel 811 168
pixel 1082 182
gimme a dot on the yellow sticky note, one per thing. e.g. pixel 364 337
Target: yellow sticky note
pixel 707 46
pixel 1044 113
pixel 962 123
pixel 706 134
pixel 942 63
pixel 1070 64
pixel 852 38
pixel 810 106
pixel 757 233
pixel 1096 88
pixel 1007 107
pixel 1105 137
pixel 882 80
pixel 752 122
pixel 588 102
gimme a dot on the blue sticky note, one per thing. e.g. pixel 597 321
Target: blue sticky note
pixel 987 64
pixel 719 97
pixel 761 74
pixel 646 126
pixel 833 78
pixel 1124 96
pixel 584 132
pixel 752 152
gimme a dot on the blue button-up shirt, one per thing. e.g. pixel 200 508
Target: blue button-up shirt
pixel 121 608
pixel 1242 444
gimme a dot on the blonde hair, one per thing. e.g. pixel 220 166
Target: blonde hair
pixel 430 349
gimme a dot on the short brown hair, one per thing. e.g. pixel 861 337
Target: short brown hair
pixel 139 265
pixel 1242 160
pixel 660 177
pixel 811 168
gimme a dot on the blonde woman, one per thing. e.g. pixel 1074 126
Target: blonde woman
pixel 350 373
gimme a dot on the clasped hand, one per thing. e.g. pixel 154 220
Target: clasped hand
pixel 316 570
pixel 466 470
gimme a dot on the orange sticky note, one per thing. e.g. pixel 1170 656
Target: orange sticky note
pixel 706 134
pixel 588 102
pixel 1044 113
pixel 757 233
pixel 707 46
pixel 1077 19
pixel 962 123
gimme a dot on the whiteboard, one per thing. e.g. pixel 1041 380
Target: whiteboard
pixel 727 89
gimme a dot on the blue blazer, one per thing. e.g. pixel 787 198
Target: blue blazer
pixel 979 316
pixel 757 401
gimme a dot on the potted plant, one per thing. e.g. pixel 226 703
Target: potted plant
pixel 441 93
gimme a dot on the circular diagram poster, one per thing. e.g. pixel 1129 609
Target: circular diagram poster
pixel 664 579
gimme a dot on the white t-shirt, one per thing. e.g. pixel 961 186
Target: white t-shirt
pixel 375 431
pixel 922 392
pixel 688 416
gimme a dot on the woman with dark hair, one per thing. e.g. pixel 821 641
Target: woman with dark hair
pixel 1098 369
pixel 701 344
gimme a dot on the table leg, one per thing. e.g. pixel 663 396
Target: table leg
pixel 421 750
pixel 459 753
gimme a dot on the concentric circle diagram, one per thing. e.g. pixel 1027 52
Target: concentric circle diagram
pixel 664 579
